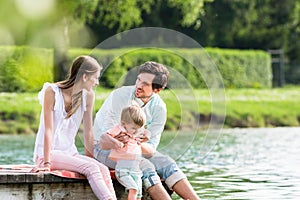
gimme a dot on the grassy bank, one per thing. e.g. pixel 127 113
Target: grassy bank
pixel 19 112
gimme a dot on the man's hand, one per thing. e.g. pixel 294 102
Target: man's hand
pixel 143 137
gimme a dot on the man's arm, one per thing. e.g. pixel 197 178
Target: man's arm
pixel 104 120
pixel 109 114
pixel 155 126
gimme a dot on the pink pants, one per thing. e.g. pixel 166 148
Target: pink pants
pixel 97 174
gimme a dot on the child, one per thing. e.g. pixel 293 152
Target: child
pixel 128 156
pixel 65 105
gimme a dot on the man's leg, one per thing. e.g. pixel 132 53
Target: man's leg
pixel 158 192
pixel 152 181
pixel 175 179
pixel 102 157
pixel 184 189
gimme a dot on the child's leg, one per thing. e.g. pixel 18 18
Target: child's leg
pixel 124 177
pixel 137 177
pixel 131 179
pixel 87 167
pixel 132 194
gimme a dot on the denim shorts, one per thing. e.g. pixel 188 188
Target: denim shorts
pixel 154 169
pixel 165 167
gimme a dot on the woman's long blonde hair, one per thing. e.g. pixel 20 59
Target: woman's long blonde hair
pixel 80 66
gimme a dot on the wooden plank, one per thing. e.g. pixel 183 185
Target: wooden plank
pixel 62 191
pixel 34 178
pixel 49 178
pixel 36 186
pixel 46 191
pixel 16 178
pixel 3 178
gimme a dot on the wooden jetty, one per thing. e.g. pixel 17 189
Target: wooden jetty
pixel 36 186
pixel 22 185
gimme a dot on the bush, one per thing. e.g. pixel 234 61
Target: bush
pixel 26 69
pixel 243 69
pixel 239 69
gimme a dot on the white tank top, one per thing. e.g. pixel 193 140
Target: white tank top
pixel 65 130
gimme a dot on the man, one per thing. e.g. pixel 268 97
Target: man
pixel 152 78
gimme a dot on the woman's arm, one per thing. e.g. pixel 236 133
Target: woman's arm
pixel 88 125
pixel 49 101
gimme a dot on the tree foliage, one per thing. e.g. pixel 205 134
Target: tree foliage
pixel 249 24
pixel 191 11
pixel 255 24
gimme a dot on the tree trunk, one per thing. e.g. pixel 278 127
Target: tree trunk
pixel 60 52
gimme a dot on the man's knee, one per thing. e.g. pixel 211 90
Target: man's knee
pixel 167 169
pixel 150 178
pixel 102 156
pixel 165 166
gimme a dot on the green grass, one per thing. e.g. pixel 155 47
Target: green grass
pixel 20 112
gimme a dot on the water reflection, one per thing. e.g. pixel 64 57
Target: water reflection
pixel 248 164
pixel 244 164
pixel 16 149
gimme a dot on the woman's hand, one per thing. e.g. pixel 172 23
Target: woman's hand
pixel 41 169
pixel 47 166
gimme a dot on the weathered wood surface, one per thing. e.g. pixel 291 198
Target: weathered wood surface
pixel 37 186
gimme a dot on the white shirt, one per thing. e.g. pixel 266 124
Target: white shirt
pixel 65 130
pixel 109 115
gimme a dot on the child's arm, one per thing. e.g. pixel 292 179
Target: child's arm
pixel 109 142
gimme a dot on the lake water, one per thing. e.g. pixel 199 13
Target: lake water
pixel 238 164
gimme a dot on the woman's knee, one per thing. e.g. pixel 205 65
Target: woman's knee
pixel 90 169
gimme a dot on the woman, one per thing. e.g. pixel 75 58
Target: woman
pixel 64 105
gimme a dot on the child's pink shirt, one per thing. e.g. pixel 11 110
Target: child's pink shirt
pixel 131 151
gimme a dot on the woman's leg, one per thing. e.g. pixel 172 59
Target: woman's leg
pixel 105 173
pixel 88 167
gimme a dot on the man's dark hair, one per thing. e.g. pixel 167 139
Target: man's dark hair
pixel 159 70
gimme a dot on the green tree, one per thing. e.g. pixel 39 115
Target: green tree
pixel 122 14
pixel 119 15
pixel 257 24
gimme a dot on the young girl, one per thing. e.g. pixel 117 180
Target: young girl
pixel 64 105
pixel 128 156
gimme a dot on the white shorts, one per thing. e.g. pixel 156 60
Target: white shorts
pixel 130 179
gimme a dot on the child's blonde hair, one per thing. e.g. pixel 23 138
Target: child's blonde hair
pixel 133 114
